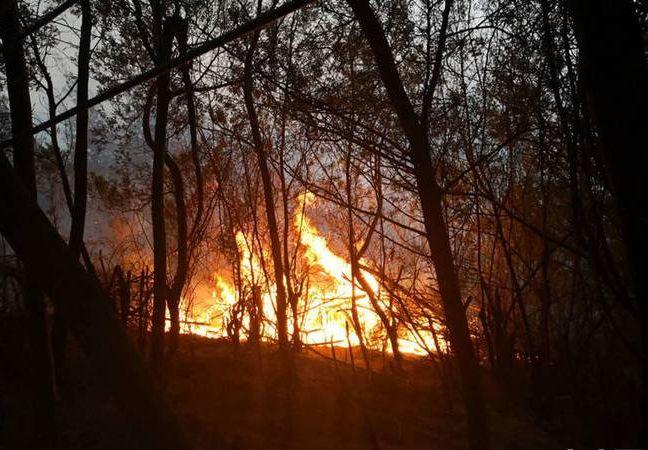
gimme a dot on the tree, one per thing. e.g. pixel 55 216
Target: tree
pixel 431 198
pixel 618 99
pixel 88 312
pixel 78 210
pixel 260 148
pixel 23 155
pixel 163 32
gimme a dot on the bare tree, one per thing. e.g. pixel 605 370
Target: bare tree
pixel 431 198
pixel 23 156
pixel 78 211
pixel 260 147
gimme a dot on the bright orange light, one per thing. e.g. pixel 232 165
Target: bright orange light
pixel 325 309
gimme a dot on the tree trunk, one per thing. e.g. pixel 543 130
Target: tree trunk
pixel 357 325
pixel 259 148
pixel 356 274
pixel 256 316
pixel 157 203
pixel 125 298
pixel 175 293
pixel 431 197
pixel 78 212
pixel 88 312
pixel 41 378
pixel 81 137
pixel 193 128
pixel 615 77
pixel 184 237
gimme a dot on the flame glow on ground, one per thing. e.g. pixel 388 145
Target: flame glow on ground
pixel 325 304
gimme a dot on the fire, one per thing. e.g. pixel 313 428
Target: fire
pixel 325 304
pixel 330 319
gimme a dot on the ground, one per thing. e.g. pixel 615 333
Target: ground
pixel 243 399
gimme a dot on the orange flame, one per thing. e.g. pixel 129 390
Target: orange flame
pixel 325 307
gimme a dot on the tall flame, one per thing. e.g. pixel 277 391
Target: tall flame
pixel 325 304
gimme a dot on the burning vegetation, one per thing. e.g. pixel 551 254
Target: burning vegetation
pixel 331 307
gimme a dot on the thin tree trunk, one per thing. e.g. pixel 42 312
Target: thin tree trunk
pixel 182 239
pixel 184 236
pixel 193 127
pixel 60 164
pixel 293 296
pixel 357 325
pixel 260 149
pixel 81 138
pixel 124 290
pixel 78 212
pixel 157 202
pixel 356 274
pixel 175 293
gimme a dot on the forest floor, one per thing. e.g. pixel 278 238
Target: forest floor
pixel 246 400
